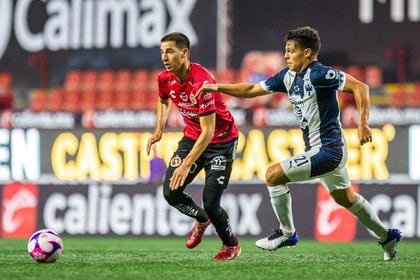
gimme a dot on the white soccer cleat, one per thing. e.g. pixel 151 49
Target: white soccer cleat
pixel 390 244
pixel 277 240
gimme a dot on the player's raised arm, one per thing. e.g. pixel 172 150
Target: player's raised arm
pixel 245 90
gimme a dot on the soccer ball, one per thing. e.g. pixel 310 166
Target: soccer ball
pixel 45 246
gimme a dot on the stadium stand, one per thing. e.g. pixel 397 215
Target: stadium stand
pixel 38 100
pixel 105 90
pixel 54 102
pixel 126 89
pixel 121 89
pixel 88 90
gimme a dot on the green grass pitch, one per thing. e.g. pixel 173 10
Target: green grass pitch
pixel 168 258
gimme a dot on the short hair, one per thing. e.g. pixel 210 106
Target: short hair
pixel 181 40
pixel 305 37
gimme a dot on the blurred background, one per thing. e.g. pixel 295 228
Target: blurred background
pixel 77 95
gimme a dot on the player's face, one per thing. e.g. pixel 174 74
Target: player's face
pixel 296 58
pixel 172 57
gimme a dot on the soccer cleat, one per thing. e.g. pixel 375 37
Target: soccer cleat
pixel 228 253
pixel 196 234
pixel 277 240
pixel 390 244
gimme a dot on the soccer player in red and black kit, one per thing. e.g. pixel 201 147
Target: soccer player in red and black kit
pixel 209 142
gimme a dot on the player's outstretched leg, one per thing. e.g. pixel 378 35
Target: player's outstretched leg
pixel 277 240
pixel 196 234
pixel 390 244
pixel 228 252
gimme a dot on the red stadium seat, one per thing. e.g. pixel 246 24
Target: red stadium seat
pixel 38 98
pixel 416 95
pixel 6 90
pixel 373 76
pixel 152 93
pixel 55 100
pixel 138 90
pixel 70 98
pixel 71 101
pixel 122 88
pixel 88 89
pixel 105 90
pixel 72 81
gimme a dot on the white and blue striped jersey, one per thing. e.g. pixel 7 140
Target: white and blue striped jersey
pixel 313 94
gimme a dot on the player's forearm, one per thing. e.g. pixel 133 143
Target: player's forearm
pixel 162 114
pixel 200 145
pixel 245 90
pixel 363 103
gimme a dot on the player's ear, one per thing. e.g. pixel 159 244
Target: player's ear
pixel 308 52
pixel 185 52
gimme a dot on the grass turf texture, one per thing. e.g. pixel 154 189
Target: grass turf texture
pixel 168 258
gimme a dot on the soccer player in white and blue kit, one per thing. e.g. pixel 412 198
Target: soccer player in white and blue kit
pixel 312 89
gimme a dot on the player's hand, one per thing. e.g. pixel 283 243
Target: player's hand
pixel 365 134
pixel 152 140
pixel 206 88
pixel 179 176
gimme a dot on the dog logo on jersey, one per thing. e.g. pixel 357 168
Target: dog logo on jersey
pixel 218 163
pixel 176 161
pixel 192 98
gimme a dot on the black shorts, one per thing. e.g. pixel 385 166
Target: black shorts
pixel 217 160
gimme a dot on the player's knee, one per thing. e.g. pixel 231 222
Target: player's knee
pixel 273 176
pixel 170 196
pixel 212 210
pixel 343 202
pixel 345 197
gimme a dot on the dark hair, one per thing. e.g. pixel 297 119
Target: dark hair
pixel 180 39
pixel 305 37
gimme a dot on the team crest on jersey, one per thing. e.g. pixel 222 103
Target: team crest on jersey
pixel 176 161
pixel 309 89
pixel 218 163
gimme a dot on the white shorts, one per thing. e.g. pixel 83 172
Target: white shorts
pixel 327 164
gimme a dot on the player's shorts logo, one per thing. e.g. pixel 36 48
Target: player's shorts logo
pixel 218 163
pixel 333 223
pixel 19 210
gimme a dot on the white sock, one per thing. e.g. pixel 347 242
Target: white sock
pixel 364 213
pixel 281 201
